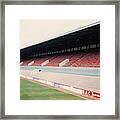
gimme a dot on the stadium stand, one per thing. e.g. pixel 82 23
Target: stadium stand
pixel 90 59
pixel 76 49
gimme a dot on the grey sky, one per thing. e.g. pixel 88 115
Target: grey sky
pixel 37 31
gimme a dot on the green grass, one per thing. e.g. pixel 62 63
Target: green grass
pixel 35 91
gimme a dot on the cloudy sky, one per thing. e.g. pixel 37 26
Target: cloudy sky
pixel 37 31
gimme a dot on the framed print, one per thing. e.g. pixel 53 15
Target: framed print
pixel 59 59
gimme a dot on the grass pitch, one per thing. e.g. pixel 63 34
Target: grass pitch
pixel 35 91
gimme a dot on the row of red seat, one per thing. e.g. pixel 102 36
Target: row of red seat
pixel 38 61
pixel 90 59
pixel 26 62
pixel 58 59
